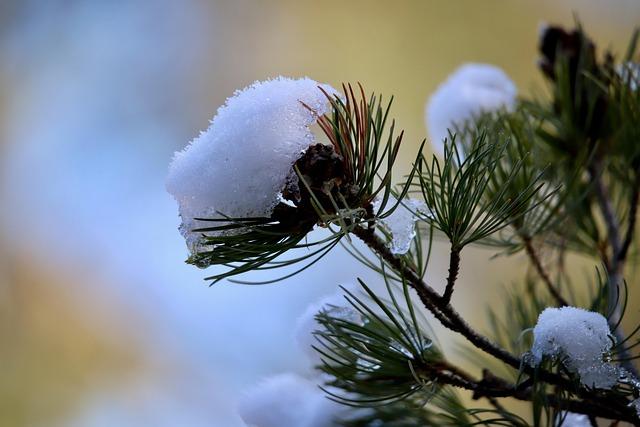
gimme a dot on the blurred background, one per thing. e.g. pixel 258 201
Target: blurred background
pixel 101 322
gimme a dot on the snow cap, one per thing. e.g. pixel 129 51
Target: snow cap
pixel 288 400
pixel 471 90
pixel 240 164
pixel 581 339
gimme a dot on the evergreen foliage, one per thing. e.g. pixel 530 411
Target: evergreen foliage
pixel 557 176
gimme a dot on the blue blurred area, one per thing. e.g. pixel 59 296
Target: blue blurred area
pixel 96 97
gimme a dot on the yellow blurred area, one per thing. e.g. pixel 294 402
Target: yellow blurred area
pixel 403 48
pixel 55 348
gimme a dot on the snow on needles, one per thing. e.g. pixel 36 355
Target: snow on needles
pixel 629 72
pixel 569 419
pixel 289 400
pixel 581 340
pixel 636 405
pixel 336 305
pixel 240 164
pixel 471 90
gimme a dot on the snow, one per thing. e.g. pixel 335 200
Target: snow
pixel 471 90
pixel 289 400
pixel 569 419
pixel 543 26
pixel 401 224
pixel 581 340
pixel 630 72
pixel 336 306
pixel 240 164
pixel 636 405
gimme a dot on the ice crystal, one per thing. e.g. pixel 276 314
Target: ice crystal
pixel 581 340
pixel 240 164
pixel 627 377
pixel 471 90
pixel 401 224
pixel 365 363
pixel 400 348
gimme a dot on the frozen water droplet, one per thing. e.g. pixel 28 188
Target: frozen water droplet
pixel 397 346
pixel 401 224
pixel 347 314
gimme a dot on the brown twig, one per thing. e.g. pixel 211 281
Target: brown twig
pixel 535 260
pixel 432 301
pixel 492 387
pixel 428 296
pixel 614 267
pixel 447 315
pixel 631 225
pixel 606 208
pixel 454 268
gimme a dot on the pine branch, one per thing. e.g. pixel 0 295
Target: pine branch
pixel 428 296
pixel 611 407
pixel 435 303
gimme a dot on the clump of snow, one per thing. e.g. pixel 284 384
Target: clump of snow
pixel 627 377
pixel 569 419
pixel 289 400
pixel 335 305
pixel 636 405
pixel 471 90
pixel 401 224
pixel 240 164
pixel 629 72
pixel 543 27
pixel 581 339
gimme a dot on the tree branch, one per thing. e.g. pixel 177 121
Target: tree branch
pixel 618 253
pixel 631 225
pixel 535 260
pixel 606 208
pixel 492 387
pixel 447 315
pixel 432 301
pixel 454 268
pixel 451 319
pixel 428 296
